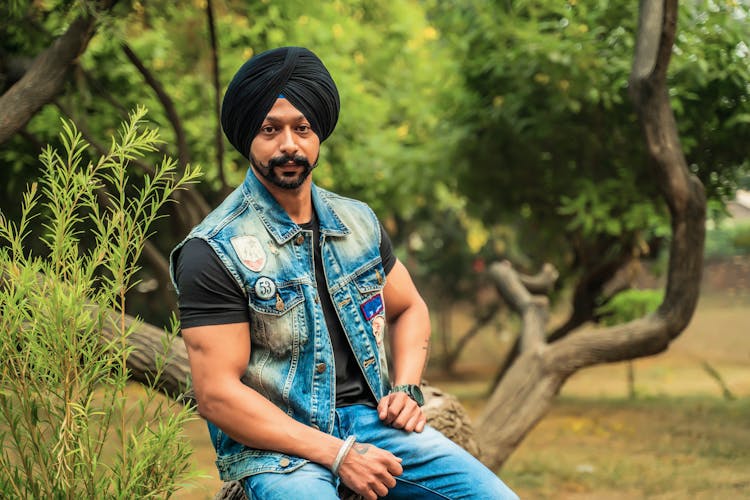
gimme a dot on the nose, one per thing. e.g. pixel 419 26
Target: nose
pixel 288 145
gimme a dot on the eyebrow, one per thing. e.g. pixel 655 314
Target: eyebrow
pixel 276 120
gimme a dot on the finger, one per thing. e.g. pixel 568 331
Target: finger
pixel 380 489
pixel 389 482
pixel 395 407
pixel 420 425
pixel 383 407
pixel 409 410
pixel 395 467
pixel 403 418
pixel 411 424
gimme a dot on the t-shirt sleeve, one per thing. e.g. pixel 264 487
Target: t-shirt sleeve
pixel 209 295
pixel 386 251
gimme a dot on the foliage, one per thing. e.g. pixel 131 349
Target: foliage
pixel 552 134
pixel 66 429
pixel 629 305
pixel 726 240
pixel 499 129
pixel 399 86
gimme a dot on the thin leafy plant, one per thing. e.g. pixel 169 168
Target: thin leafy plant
pixel 69 428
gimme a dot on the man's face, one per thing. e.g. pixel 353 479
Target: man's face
pixel 286 149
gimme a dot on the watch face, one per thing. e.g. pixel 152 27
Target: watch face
pixel 413 391
pixel 416 395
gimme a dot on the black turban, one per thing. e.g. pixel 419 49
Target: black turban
pixel 294 72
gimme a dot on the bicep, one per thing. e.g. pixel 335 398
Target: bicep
pixel 218 354
pixel 399 292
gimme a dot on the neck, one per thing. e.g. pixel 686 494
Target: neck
pixel 297 203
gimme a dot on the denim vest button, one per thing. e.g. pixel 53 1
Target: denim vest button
pixel 284 462
pixel 320 367
pixel 300 239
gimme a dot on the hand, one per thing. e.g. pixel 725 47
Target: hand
pixel 401 412
pixel 369 471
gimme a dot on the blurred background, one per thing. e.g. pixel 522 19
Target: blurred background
pixel 478 131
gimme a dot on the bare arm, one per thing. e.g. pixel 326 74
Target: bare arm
pixel 409 332
pixel 218 357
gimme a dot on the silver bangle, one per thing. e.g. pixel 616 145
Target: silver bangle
pixel 343 451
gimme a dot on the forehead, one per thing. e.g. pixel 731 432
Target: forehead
pixel 283 111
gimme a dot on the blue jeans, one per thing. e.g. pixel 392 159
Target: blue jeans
pixel 434 466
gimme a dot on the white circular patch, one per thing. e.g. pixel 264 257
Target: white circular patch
pixel 265 288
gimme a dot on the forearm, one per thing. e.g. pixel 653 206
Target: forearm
pixel 410 336
pixel 251 419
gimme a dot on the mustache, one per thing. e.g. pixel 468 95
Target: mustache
pixel 298 160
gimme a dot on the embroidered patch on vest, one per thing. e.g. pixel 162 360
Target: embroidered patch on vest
pixel 250 252
pixel 378 327
pixel 372 307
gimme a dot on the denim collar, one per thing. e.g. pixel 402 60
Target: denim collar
pixel 277 221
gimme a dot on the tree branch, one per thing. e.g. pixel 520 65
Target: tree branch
pixel 183 152
pixel 217 96
pixel 45 79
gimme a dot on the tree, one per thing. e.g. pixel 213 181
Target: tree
pixel 551 116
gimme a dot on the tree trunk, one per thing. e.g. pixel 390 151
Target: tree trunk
pixel 525 394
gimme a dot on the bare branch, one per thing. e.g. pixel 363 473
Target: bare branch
pixel 534 309
pixel 542 282
pixel 45 79
pixel 217 95
pixel 183 152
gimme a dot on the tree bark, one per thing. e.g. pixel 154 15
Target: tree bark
pixel 525 394
pixel 45 79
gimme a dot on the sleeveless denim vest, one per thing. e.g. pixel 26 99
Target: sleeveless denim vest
pixel 291 361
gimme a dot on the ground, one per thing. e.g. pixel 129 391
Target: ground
pixel 678 438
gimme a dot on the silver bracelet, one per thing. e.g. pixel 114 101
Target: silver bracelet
pixel 343 451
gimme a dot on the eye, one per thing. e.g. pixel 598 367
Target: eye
pixel 267 129
pixel 303 128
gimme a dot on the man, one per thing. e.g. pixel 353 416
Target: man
pixel 283 293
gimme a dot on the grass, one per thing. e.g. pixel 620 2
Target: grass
pixel 666 448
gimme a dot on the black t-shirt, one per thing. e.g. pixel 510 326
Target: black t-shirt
pixel 209 295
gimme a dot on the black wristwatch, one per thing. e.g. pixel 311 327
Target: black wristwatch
pixel 411 390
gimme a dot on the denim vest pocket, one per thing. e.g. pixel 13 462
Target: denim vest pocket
pixel 277 321
pixel 370 278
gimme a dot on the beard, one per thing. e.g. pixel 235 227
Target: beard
pixel 271 171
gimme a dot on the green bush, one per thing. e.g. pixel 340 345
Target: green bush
pixel 727 240
pixel 67 427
